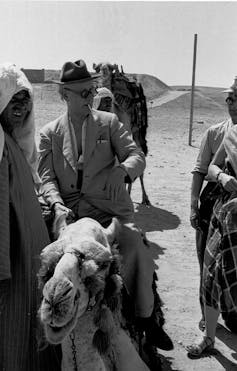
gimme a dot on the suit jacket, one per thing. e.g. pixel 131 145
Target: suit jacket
pixel 106 139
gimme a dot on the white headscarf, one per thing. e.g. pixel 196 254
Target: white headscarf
pixel 101 93
pixel 13 80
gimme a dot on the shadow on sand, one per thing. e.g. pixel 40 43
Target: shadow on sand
pixel 151 218
pixel 227 337
pixel 227 364
pixel 230 340
pixel 167 364
pixel 155 250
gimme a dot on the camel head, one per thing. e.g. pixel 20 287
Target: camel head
pixel 105 68
pixel 107 71
pixel 123 88
pixel 73 275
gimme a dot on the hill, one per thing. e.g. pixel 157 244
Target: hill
pixel 209 108
pixel 153 87
pixel 215 94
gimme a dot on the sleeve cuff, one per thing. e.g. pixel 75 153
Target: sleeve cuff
pixel 127 178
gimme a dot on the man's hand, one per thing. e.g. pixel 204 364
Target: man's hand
pixel 195 217
pixel 115 183
pixel 60 209
pixel 228 182
pixel 61 213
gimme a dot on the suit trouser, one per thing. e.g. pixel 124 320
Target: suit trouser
pixel 138 268
pixel 137 263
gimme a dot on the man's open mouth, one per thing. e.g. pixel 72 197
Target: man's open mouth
pixel 18 112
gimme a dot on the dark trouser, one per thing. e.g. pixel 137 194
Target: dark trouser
pixel 207 201
pixel 201 238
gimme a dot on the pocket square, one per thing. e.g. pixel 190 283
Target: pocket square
pixel 100 141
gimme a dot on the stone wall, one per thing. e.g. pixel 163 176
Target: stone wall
pixel 34 76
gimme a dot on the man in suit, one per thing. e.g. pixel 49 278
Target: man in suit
pixel 81 178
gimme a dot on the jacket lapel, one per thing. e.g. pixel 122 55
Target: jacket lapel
pixel 67 145
pixel 93 124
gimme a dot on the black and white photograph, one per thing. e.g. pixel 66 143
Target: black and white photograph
pixel 118 185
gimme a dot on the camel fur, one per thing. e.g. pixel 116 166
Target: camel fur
pixel 81 306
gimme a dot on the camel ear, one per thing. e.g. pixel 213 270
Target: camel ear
pixel 113 230
pixel 96 67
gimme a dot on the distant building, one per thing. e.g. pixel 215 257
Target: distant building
pixel 34 76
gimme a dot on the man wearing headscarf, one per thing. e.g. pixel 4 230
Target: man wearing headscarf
pixel 103 100
pixel 22 230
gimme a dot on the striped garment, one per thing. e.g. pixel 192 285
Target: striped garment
pixel 22 237
pixel 220 260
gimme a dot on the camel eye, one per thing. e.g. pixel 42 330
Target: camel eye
pixel 81 259
pixel 104 265
pixel 46 301
pixel 82 256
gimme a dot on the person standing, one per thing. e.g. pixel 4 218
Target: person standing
pixel 203 198
pixel 23 233
pixel 103 100
pixel 219 283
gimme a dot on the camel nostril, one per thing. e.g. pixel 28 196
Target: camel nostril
pixel 67 291
pixel 77 296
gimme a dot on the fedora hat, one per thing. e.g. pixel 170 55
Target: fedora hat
pixel 74 72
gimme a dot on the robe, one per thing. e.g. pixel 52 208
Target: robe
pixel 23 235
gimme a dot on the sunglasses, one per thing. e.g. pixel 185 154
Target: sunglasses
pixel 230 100
pixel 85 92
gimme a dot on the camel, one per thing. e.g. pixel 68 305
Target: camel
pixel 130 107
pixel 81 305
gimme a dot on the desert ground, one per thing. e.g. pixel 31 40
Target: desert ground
pixel 166 222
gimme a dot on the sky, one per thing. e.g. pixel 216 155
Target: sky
pixel 156 38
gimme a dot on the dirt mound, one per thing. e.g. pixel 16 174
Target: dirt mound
pixel 216 94
pixel 206 112
pixel 166 97
pixel 153 87
pixel 206 109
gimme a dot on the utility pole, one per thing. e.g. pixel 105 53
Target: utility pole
pixel 192 91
